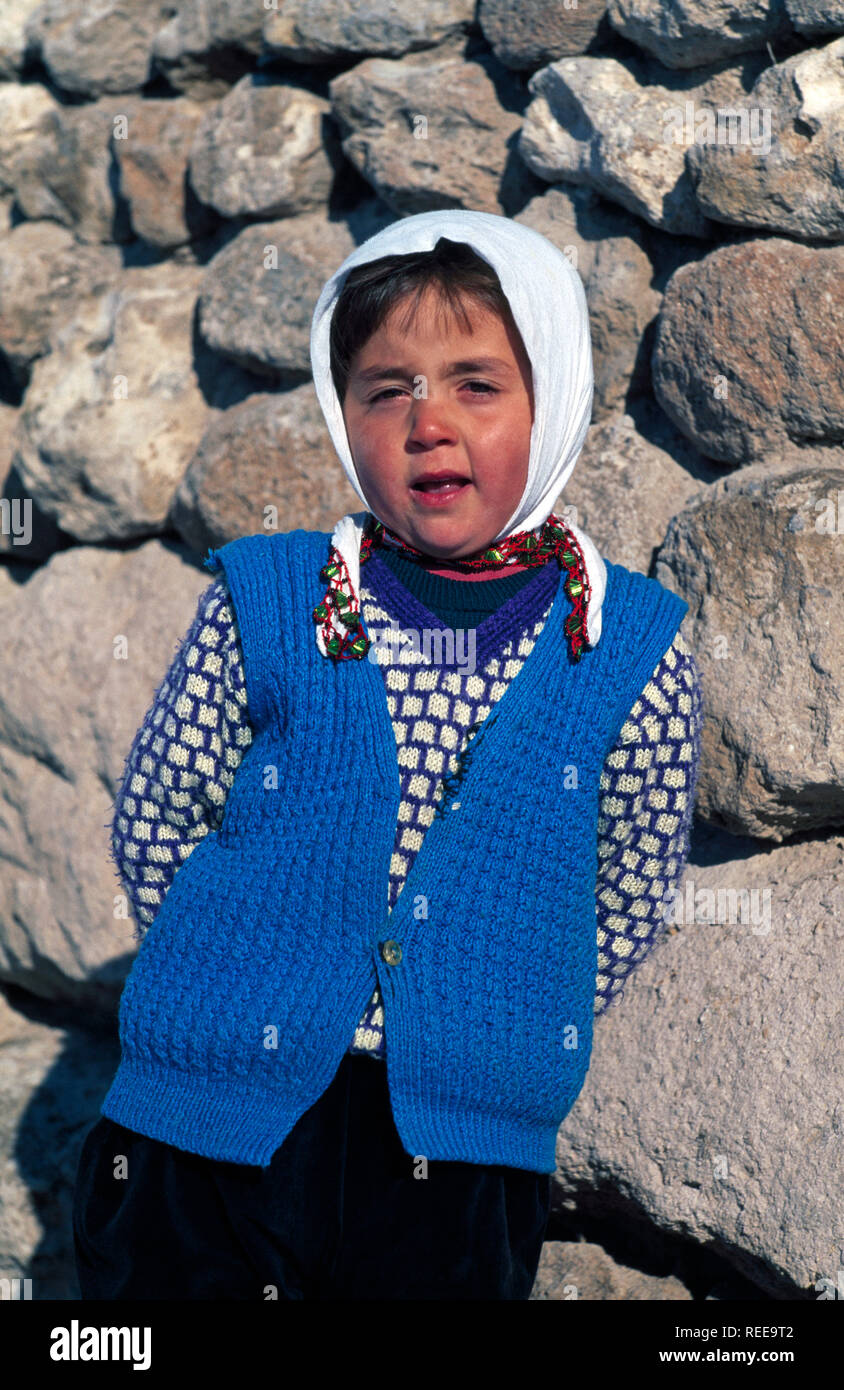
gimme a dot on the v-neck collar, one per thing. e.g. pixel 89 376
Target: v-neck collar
pixel 491 635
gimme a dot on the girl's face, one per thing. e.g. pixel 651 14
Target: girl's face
pixel 438 399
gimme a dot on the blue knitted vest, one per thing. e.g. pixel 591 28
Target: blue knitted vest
pixel 493 932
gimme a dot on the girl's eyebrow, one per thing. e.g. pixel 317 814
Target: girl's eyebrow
pixel 466 364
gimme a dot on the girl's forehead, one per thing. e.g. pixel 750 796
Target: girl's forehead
pixel 444 330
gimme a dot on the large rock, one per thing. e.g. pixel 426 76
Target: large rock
pixel 26 534
pixel 265 464
pixel 258 293
pixel 208 45
pixel 611 124
pixel 712 1105
pixel 321 31
pixel 814 17
pixel 747 355
pixel 633 475
pixel 22 105
pixel 115 412
pixel 605 245
pixel 153 162
pixel 95 50
pixel 54 1076
pixel 689 33
pixel 581 1270
pixel 784 169
pixel 78 678
pixel 527 34
pixel 435 129
pixel 67 171
pixel 14 44
pixel 44 276
pixel 264 150
pixel 759 560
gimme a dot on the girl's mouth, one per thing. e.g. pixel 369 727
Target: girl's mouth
pixel 439 494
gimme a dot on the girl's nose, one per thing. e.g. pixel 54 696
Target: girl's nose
pixel 429 421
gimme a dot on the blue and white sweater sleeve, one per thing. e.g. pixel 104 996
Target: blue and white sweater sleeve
pixel 183 758
pixel 644 822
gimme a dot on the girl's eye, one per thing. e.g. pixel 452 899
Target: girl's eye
pixel 486 389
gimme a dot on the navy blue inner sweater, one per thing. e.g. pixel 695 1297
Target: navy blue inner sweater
pixel 460 603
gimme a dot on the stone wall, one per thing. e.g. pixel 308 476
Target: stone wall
pixel 176 183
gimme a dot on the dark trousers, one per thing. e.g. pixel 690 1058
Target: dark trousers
pixel 337 1214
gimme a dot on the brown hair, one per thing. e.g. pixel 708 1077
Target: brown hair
pixel 371 291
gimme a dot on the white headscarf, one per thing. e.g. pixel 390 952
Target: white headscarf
pixel 548 304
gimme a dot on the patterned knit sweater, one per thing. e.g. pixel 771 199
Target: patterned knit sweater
pixel 185 755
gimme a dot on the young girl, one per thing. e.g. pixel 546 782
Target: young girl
pixel 398 823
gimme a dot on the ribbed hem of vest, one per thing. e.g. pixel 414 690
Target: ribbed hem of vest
pixel 472 1136
pixel 236 1123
